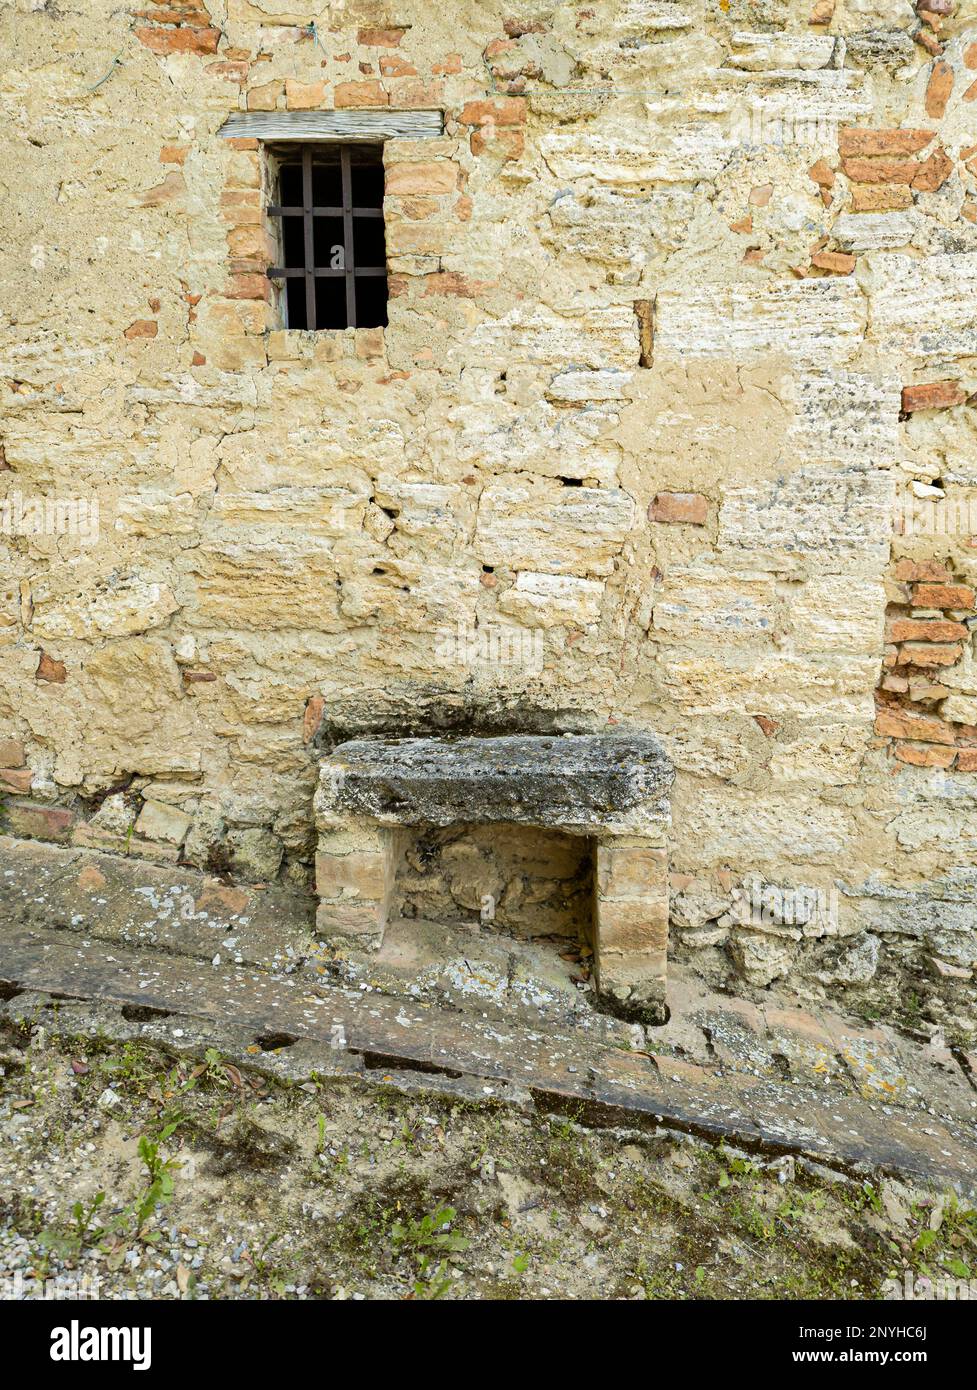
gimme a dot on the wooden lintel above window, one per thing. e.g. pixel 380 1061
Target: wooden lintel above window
pixel 334 125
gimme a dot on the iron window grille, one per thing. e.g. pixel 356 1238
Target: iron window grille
pixel 333 249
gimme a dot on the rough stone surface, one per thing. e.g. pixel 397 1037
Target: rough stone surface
pixel 576 782
pixel 613 278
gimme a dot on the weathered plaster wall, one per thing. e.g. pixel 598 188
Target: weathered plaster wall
pixel 662 297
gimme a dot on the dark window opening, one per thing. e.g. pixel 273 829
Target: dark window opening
pixel 333 249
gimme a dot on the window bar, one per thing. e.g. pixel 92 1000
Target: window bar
pixel 307 223
pixel 308 271
pixel 349 262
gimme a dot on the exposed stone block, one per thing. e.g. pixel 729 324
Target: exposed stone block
pixel 31 819
pixel 11 752
pixel 927 755
pixel 158 821
pixel 906 724
pixel 16 779
pixel 686 508
pixel 854 142
pixel 181 39
pixel 575 782
pixel 357 875
pixel 953 596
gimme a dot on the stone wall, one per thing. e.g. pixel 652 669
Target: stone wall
pixel 676 394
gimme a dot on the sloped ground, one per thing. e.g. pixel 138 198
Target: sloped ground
pixel 338 1188
pixel 265 1119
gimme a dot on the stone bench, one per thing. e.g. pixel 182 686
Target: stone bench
pixel 612 789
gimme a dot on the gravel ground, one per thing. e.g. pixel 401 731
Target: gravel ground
pixel 220 1183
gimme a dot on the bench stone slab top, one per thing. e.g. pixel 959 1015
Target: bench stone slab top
pixel 580 783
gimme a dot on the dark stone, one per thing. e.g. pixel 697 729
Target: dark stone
pixel 585 781
pixel 886 48
pixel 417 710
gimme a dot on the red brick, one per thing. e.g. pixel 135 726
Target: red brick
pixel 943 596
pixel 685 508
pixel 359 94
pixel 11 752
pixel 504 111
pixel 938 89
pixel 39 822
pixel 449 66
pixel 250 243
pixel 250 285
pixel 923 728
pixel 967 760
pixel 882 142
pixel 173 154
pixel 427 177
pixel 17 779
pixel 172 187
pixel 142 328
pixel 490 140
pixel 241 208
pixel 183 40
pixel 933 172
pixel 924 757
pixel 926 630
pixel 838 262
pixel 822 174
pixel 880 170
pixel 880 198
pixel 929 654
pixel 380 38
pixel 930 570
pixel 50 670
pixel 934 395
pixel 393 65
